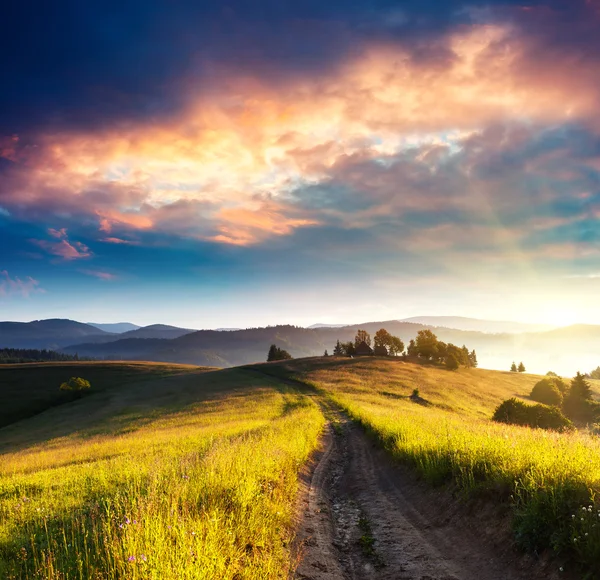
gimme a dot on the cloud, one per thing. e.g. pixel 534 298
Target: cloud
pixel 64 248
pixel 100 274
pixel 120 241
pixel 17 286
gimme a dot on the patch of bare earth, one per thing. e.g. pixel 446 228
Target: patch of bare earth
pixel 364 517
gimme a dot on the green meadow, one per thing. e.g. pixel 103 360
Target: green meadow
pixel 183 473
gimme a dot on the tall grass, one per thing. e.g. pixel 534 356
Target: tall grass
pixel 205 492
pixel 547 477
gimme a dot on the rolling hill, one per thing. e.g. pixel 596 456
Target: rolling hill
pixel 49 334
pixel 115 327
pixel 478 325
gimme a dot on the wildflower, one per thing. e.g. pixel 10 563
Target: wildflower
pixel 131 559
pixel 573 516
pixel 135 521
pixel 127 521
pixel 143 557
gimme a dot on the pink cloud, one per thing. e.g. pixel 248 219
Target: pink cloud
pixel 120 241
pixel 64 249
pixel 61 234
pixel 100 274
pixel 16 286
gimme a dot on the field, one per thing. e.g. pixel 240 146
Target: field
pixel 447 436
pixel 169 473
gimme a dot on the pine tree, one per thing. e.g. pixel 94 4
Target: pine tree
pixel 325 353
pixel 473 358
pixel 580 388
pixel 521 367
pixel 272 353
pixel 337 349
pixel 513 367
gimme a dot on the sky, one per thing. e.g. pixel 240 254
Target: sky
pixel 244 163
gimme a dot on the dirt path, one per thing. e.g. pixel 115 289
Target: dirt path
pixel 366 518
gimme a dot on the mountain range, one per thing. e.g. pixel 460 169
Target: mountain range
pixel 563 350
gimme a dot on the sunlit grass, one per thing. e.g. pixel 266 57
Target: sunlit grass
pixel 204 491
pixel 448 437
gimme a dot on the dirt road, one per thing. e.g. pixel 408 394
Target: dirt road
pixel 366 518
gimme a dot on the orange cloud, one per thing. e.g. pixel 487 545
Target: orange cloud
pixel 249 138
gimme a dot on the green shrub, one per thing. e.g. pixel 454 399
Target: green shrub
pixel 547 392
pixel 75 384
pixel 517 412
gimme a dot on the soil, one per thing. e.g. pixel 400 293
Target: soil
pixel 365 517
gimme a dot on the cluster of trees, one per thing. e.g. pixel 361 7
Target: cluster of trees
pixel 562 403
pixel 425 346
pixel 574 399
pixel 514 368
pixel 595 374
pixel 276 353
pixel 383 343
pixel 20 355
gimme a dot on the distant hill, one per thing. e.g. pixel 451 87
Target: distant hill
pixel 157 331
pixel 562 350
pixel 489 326
pixel 49 334
pixel 115 327
pixel 327 326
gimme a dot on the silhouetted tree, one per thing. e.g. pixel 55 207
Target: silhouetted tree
pixel 325 353
pixel 382 338
pixel 473 358
pixel 362 335
pixel 521 367
pixel 276 353
pixel 348 348
pixel 513 367
pixel 595 374
pixel 412 348
pixel 338 350
pixel 396 346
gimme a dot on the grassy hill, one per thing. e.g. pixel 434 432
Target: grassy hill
pixel 163 473
pixel 30 388
pixel 548 481
pixel 170 471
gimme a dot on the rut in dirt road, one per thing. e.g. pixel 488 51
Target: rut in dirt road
pixel 364 518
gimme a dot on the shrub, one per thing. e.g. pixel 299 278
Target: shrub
pixel 517 412
pixel 75 384
pixel 276 353
pixel 547 392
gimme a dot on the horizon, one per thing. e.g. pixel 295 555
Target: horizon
pixel 261 164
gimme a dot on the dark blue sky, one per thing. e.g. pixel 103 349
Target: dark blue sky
pixel 230 164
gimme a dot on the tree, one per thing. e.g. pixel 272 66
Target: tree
pixel 546 391
pixel 551 374
pixel 473 359
pixel 396 346
pixel 325 353
pixel 451 362
pixel 426 344
pixel 382 338
pixel 580 388
pixel 521 367
pixel 595 374
pixel 362 335
pixel 337 349
pixel 276 353
pixel 348 348
pixel 513 367
pixel 412 348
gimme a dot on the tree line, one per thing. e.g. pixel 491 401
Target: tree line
pixel 425 346
pixel 21 355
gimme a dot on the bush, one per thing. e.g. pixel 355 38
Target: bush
pixel 452 363
pixel 547 392
pixel 517 412
pixel 276 353
pixel 75 384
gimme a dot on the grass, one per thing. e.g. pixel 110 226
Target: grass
pixel 41 382
pixel 447 436
pixel 171 477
